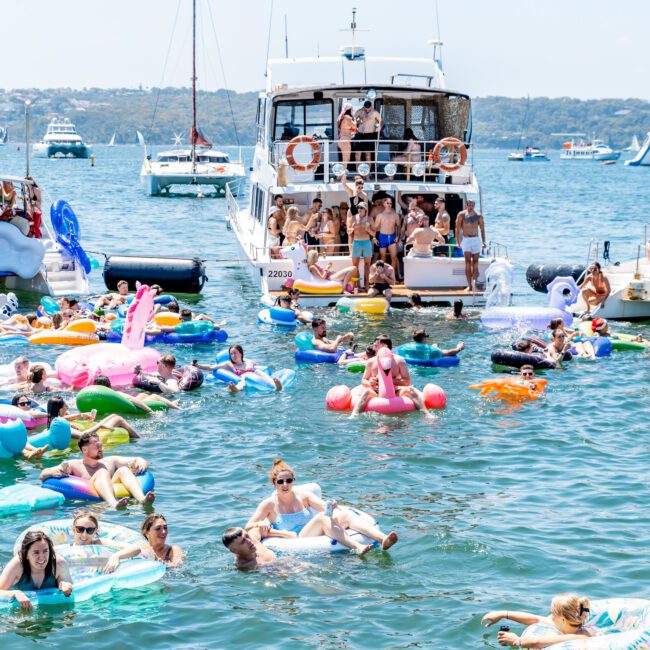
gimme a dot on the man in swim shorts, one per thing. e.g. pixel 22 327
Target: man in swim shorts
pixel 387 225
pixel 401 380
pixel 360 230
pixel 368 123
pixel 442 225
pixel 320 340
pixel 104 472
pixel 247 547
pixel 468 223
pixel 382 278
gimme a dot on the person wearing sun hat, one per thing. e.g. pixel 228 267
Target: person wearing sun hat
pixel 421 336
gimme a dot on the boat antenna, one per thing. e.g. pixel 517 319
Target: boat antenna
pixel 223 73
pixel 439 36
pixel 194 132
pixel 524 124
pixel 286 38
pixel 27 105
pixel 268 42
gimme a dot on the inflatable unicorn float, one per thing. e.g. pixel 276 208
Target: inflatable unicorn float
pixel 303 279
pixel 80 366
pixel 341 398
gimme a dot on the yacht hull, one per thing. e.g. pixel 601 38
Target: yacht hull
pixel 45 150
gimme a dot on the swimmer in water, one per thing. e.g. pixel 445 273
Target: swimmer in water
pixel 237 365
pixel 301 513
pixel 247 547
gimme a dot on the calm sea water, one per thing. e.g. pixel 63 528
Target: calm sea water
pixel 494 510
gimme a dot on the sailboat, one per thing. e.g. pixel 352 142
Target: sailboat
pixel 634 145
pixel 112 142
pixel 198 165
pixel 529 154
pixel 4 135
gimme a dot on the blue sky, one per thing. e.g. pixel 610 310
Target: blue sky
pixel 577 48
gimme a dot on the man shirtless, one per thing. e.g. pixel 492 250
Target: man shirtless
pixel 104 472
pixel 442 225
pixel 312 218
pixel 247 547
pixel 382 279
pixel 111 301
pixel 368 123
pixel 387 225
pixel 320 340
pixel 360 230
pixel 423 237
pixel 468 223
pixel 401 380
pixel 274 232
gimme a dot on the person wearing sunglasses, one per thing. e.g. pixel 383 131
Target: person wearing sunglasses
pixel 24 403
pixel 301 513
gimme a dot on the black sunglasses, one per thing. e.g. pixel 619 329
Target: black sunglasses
pixel 527 374
pixel 83 529
pixel 23 403
pixel 282 481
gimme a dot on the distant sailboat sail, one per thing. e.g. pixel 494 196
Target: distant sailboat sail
pixel 140 137
pixel 4 134
pixel 634 146
pixel 112 142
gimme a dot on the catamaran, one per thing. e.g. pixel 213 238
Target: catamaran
pixel 193 166
pixel 61 140
pixel 297 156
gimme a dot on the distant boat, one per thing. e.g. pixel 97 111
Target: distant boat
pixel 4 134
pixel 642 158
pixel 112 142
pixel 634 145
pixel 579 149
pixel 529 154
pixel 61 139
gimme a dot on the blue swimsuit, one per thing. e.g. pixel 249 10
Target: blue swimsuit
pixel 293 521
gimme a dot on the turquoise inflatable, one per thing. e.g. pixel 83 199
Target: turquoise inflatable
pixel 49 305
pixel 13 438
pixel 58 436
pixel 24 498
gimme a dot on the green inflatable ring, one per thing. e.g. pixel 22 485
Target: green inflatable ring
pixel 108 401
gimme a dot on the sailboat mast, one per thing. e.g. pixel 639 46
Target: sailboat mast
pixel 194 132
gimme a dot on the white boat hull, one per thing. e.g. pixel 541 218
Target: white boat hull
pixel 157 181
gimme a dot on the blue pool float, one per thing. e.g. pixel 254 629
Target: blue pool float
pixel 25 498
pixel 74 487
pixel 423 354
pixel 287 376
pixel 307 353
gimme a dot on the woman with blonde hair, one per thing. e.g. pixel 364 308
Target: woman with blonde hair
pixel 293 230
pixel 569 614
pixel 297 512
pixel 343 276
pixel 327 231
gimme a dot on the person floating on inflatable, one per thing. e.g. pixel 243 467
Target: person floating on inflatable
pixel 375 375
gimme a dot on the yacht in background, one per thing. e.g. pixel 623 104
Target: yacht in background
pixel 529 154
pixel 642 159
pixel 63 140
pixel 578 149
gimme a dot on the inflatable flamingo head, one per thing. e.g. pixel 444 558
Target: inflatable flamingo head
pixel 385 362
pixel 139 314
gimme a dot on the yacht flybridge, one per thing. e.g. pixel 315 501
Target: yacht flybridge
pixel 297 155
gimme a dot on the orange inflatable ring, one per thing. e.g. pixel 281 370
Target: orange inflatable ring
pixel 511 389
pixel 451 144
pixel 315 153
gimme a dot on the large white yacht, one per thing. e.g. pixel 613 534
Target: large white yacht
pixel 578 149
pixel 61 139
pixel 297 156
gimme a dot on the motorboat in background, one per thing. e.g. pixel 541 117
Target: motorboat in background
pixel 61 139
pixel 642 158
pixel 578 149
pixel 529 154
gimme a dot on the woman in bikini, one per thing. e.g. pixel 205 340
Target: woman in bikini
pixel 347 129
pixel 293 512
pixel 595 288
pixel 293 230
pixel 343 276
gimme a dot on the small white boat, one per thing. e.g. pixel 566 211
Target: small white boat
pixel 529 154
pixel 61 140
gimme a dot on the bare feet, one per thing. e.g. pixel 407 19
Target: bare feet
pixel 149 497
pixel 278 383
pixel 467 290
pixel 460 346
pixel 35 454
pixel 362 550
pixel 122 503
pixel 391 539
pixel 92 415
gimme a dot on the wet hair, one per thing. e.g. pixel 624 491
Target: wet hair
pixel 371 352
pixel 284 299
pixel 238 348
pixel 17 397
pixel 557 332
pixel 31 537
pixel 31 317
pixel 102 380
pixel 522 345
pixel 573 608
pixel 231 534
pixel 317 322
pixel 149 521
pixel 57 320
pixel 85 514
pixel 168 360
pixel 186 314
pixel 86 438
pixel 157 288
pixel 458 308
pixel 555 323
pixel 278 467
pixel 173 307
pixel 36 374
pixel 527 366
pixel 420 336
pixel 72 302
pixel 54 407
pixel 294 291
pixel 386 340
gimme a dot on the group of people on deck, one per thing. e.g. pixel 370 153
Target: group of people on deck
pixel 376 229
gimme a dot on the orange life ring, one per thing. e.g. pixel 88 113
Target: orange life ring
pixel 315 153
pixel 450 144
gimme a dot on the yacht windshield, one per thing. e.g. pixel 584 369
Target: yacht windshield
pixel 304 117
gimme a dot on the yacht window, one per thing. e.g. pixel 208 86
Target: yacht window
pixel 306 117
pixel 212 159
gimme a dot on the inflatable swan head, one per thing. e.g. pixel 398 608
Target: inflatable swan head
pixel 562 292
pixel 498 283
pixel 139 314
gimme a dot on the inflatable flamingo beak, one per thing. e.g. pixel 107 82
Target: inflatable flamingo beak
pixel 386 363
